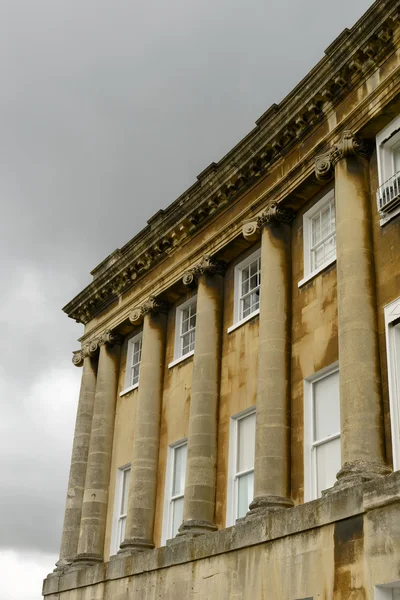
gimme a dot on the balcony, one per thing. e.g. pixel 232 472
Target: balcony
pixel 388 195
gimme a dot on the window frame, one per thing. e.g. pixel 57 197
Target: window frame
pixel 388 137
pixel 238 320
pixel 232 494
pixel 310 457
pixel 129 366
pixel 117 516
pixel 178 356
pixel 392 321
pixel 308 272
pixel 166 533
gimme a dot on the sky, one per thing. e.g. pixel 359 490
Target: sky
pixel 109 109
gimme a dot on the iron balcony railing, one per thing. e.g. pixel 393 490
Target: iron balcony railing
pixel 388 194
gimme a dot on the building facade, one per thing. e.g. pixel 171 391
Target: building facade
pixel 238 425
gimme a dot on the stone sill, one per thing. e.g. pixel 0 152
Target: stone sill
pixel 243 321
pixel 129 389
pixel 316 272
pixel 388 217
pixel 335 506
pixel 180 359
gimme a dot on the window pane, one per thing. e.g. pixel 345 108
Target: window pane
pixel 125 491
pixel 121 530
pixel 135 374
pixel 328 464
pixel 316 229
pixel 246 442
pixel 178 484
pixel 254 268
pixel 330 248
pixel 253 282
pixel 319 256
pixel 246 306
pixel 177 515
pixel 245 494
pixel 325 221
pixel 326 406
pixel 245 287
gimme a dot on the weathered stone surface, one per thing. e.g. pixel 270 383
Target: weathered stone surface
pixel 259 559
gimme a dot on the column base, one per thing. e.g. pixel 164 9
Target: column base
pixel 354 473
pixel 86 559
pixel 265 504
pixel 132 545
pixel 62 564
pixel 195 527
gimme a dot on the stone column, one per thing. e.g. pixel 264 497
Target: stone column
pixel 144 465
pixel 272 453
pixel 80 451
pixel 200 483
pixel 359 371
pixel 95 498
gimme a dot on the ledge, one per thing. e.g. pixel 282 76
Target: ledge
pixel 180 359
pixel 335 506
pixel 129 389
pixel 386 218
pixel 243 321
pixel 317 272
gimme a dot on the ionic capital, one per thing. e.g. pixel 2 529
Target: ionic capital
pixel 90 349
pixel 207 266
pixel 153 305
pixel 273 215
pixel 110 338
pixel 348 145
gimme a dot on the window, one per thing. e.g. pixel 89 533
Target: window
pixel 120 507
pixel 241 465
pixel 319 234
pixel 134 356
pixel 392 329
pixel 174 489
pixel 388 592
pixel 185 330
pixel 247 289
pixel 322 456
pixel 388 153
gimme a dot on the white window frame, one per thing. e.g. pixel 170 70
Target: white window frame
pixel 392 318
pixel 385 140
pixel 231 501
pixel 129 358
pixel 117 516
pixel 390 591
pixel 166 533
pixel 178 356
pixel 328 198
pixel 310 456
pixel 238 320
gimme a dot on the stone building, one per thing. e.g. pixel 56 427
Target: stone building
pixel 238 426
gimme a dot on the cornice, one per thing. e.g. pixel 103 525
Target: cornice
pixel 348 60
pixel 281 189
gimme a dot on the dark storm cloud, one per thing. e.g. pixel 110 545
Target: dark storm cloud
pixel 108 111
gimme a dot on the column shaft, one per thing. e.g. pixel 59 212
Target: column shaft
pixel 272 454
pixel 143 482
pixel 200 484
pixel 360 384
pixel 95 498
pixel 77 473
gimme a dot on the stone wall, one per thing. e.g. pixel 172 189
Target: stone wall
pixel 337 548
